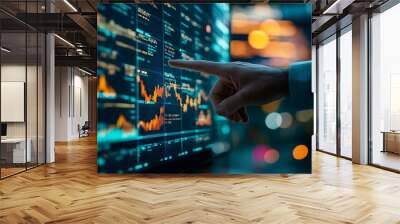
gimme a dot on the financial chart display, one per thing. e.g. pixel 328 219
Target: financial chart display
pixel 148 112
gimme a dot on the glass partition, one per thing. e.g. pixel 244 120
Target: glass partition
pixel 327 96
pixel 13 109
pixel 385 89
pixel 22 77
pixel 346 92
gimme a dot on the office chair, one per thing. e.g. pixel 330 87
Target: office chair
pixel 84 130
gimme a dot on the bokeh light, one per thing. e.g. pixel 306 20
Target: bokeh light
pixel 101 161
pixel 279 49
pixel 287 28
pixel 280 28
pixel 271 35
pixel 264 154
pixel 300 152
pixel 271 27
pixel 226 129
pixel 271 156
pixel 220 147
pixel 273 120
pixel 208 28
pixel 239 48
pixel 277 128
pixel 287 120
pixel 258 39
pixel 239 16
pixel 243 26
pixel 304 115
pixel 259 153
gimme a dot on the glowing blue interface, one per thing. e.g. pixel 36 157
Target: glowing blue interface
pixel 148 112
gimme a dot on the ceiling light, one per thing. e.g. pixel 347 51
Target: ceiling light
pixel 79 51
pixel 5 50
pixel 334 5
pixel 70 5
pixel 337 7
pixel 65 41
pixel 84 71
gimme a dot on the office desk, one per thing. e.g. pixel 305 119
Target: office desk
pixel 391 141
pixel 13 150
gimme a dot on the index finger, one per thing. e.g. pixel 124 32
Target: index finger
pixel 210 67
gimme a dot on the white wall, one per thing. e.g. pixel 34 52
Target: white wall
pixel 71 102
pixel 62 82
pixel 33 127
pixel 80 111
pixel 16 73
pixel 12 73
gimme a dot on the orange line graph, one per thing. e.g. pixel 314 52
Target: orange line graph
pixel 153 97
pixel 158 92
pixel 185 103
pixel 204 119
pixel 155 123
pixel 104 88
pixel 188 101
pixel 124 124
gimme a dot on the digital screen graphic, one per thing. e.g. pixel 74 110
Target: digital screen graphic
pixel 153 118
pixel 149 113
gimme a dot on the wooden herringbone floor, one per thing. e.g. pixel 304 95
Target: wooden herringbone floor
pixel 70 191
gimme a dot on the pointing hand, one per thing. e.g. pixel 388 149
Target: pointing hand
pixel 240 84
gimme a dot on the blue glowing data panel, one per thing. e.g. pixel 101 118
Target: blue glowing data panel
pixel 148 112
